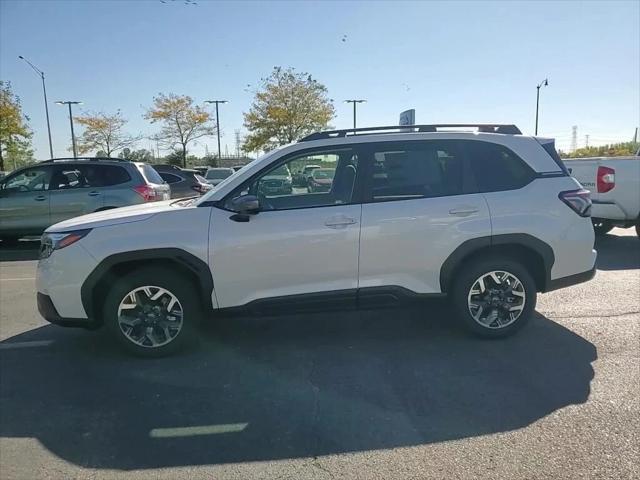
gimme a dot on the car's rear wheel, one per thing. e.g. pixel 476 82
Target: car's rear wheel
pixel 494 297
pixel 601 227
pixel 152 312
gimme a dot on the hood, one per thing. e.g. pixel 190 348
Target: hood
pixel 114 216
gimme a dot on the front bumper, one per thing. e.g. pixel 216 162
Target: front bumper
pixel 51 315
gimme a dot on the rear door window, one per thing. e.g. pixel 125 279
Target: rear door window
pixel 496 168
pixel 407 170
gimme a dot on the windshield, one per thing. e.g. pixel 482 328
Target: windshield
pixel 219 174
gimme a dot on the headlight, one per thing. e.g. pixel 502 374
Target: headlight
pixel 57 241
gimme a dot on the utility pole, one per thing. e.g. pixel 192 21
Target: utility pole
pixel 46 106
pixel 586 141
pixel 73 137
pixel 237 133
pixel 574 138
pixel 217 102
pixel 354 101
pixel 544 83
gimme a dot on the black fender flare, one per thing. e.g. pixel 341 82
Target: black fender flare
pixel 192 263
pixel 466 248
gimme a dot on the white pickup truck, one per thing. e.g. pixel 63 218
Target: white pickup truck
pixel 614 183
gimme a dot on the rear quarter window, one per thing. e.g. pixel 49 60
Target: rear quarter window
pixel 496 168
pixel 149 174
pixel 112 175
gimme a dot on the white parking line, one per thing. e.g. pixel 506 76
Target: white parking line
pixel 197 430
pixel 35 343
pixel 16 279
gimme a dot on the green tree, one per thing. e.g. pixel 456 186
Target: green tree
pixel 610 150
pixel 15 135
pixel 182 121
pixel 288 106
pixel 103 132
pixel 141 155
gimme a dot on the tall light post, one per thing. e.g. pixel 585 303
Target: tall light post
pixel 217 102
pixel 544 83
pixel 46 106
pixel 73 137
pixel 354 101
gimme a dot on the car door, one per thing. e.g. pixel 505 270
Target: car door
pixel 24 201
pixel 75 190
pixel 415 213
pixel 299 243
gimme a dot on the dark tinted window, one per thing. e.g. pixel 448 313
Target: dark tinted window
pixel 150 174
pixel 496 167
pixel 84 176
pixel 416 170
pixel 170 177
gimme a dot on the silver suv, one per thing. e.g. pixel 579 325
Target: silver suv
pixel 37 196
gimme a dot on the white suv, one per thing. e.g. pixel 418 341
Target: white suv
pixel 485 215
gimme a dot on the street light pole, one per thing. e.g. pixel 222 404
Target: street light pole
pixel 217 102
pixel 73 137
pixel 544 83
pixel 354 101
pixel 46 106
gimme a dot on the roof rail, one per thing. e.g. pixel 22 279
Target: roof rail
pixel 506 129
pixel 84 159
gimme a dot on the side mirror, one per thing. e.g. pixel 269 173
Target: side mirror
pixel 247 204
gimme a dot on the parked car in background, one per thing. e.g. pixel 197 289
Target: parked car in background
pixel 302 177
pixel 35 197
pixel 184 182
pixel 215 175
pixel 488 219
pixel 3 174
pixel 277 182
pixel 202 170
pixel 321 180
pixel 614 183
pixel 237 167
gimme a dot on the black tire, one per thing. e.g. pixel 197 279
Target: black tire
pixel 601 227
pixel 467 277
pixel 638 228
pixel 169 280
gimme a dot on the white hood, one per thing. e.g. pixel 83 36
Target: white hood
pixel 114 216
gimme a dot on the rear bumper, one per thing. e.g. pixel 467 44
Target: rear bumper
pixel 571 280
pixel 51 315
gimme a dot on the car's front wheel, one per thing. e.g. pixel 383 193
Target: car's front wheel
pixel 494 297
pixel 152 312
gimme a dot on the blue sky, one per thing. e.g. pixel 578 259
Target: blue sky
pixel 451 61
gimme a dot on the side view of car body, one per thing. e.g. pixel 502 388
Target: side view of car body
pixel 37 196
pixel 183 181
pixel 488 219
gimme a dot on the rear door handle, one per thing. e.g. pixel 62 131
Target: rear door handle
pixel 463 211
pixel 39 198
pixel 94 194
pixel 337 222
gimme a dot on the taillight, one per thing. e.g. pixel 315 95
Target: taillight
pixel 146 192
pixel 578 200
pixel 606 179
pixel 199 188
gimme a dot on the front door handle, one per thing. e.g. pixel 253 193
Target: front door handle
pixel 94 194
pixel 337 222
pixel 463 211
pixel 39 198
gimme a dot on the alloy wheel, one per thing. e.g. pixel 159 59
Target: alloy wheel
pixel 496 299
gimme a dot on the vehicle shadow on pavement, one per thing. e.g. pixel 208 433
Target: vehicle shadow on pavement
pixel 618 252
pixel 23 250
pixel 286 387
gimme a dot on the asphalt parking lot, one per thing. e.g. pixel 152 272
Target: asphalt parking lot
pixel 372 394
